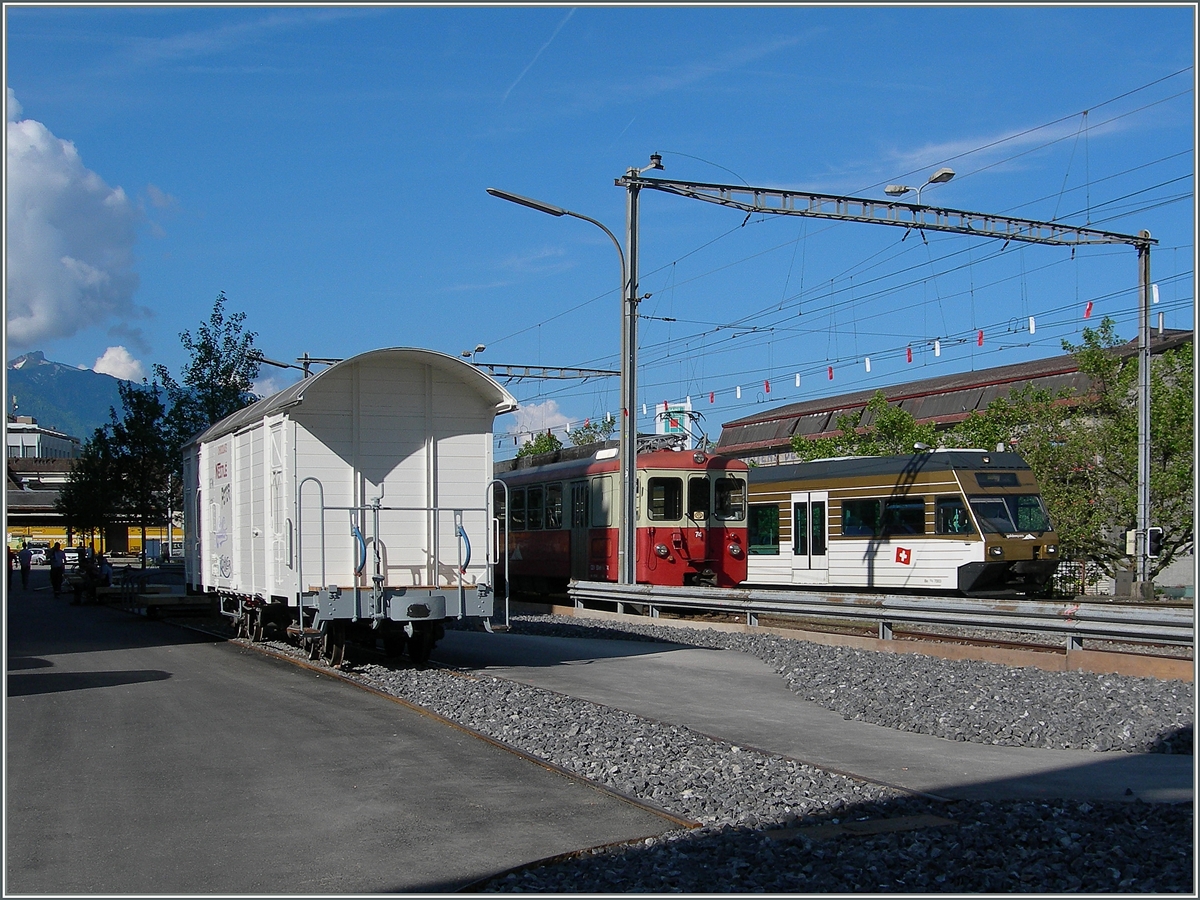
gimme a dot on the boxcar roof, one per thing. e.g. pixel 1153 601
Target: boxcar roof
pixel 859 466
pixel 486 386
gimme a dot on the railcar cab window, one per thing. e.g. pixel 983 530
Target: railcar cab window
pixel 731 499
pixel 1011 513
pixel 664 499
pixel 951 516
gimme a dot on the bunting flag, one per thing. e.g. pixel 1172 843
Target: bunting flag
pixel 1087 310
pixel 643 409
pixel 712 396
pixel 665 406
pixel 587 422
pixel 797 379
pixel 1032 326
pixel 979 338
pixel 908 353
pixel 738 392
pixel 608 417
pixel 831 373
pixel 937 348
pixel 767 385
pixel 868 361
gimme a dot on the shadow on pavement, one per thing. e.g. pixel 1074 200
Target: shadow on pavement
pixel 58 682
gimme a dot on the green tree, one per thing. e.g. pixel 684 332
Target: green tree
pixel 891 431
pixel 141 459
pixel 215 382
pixel 88 500
pixel 1083 449
pixel 593 432
pixel 542 443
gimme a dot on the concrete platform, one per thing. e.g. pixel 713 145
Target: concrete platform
pixel 142 759
pixel 737 698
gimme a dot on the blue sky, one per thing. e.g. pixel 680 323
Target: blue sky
pixel 326 168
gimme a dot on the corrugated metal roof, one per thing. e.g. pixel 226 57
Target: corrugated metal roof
pixel 945 399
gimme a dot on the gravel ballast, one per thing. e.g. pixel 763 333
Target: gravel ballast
pixel 768 823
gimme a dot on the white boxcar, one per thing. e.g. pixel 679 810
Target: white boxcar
pixel 351 506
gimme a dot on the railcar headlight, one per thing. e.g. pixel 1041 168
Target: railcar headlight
pixel 735 550
pixel 699 456
pixel 1052 549
pixel 661 550
pixel 996 550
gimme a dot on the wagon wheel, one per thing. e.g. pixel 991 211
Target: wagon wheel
pixel 243 629
pixel 256 626
pixel 420 645
pixel 314 648
pixel 333 644
pixel 393 643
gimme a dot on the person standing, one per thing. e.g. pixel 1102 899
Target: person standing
pixel 26 559
pixel 58 567
pixel 12 564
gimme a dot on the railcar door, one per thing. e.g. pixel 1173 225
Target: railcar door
pixel 579 530
pixel 810 537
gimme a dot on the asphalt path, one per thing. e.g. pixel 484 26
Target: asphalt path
pixel 144 759
pixel 737 698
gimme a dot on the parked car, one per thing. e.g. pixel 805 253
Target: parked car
pixel 39 556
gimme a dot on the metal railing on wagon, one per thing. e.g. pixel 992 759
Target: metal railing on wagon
pixel 1073 621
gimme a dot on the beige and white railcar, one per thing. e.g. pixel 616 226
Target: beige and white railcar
pixel 347 505
pixel 969 521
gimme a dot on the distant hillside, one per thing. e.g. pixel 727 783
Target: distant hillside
pixel 73 401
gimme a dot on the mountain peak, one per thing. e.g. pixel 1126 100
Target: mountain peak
pixel 32 358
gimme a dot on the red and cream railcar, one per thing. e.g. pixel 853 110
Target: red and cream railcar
pixel 562 512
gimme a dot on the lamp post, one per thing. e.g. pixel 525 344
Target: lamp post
pixel 627 457
pixel 471 354
pixel 941 176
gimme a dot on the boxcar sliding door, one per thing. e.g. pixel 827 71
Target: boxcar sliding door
pixel 810 537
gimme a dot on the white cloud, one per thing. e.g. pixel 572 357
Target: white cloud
pixel 118 363
pixel 273 384
pixel 69 241
pixel 533 418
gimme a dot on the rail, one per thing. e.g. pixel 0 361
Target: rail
pixel 1073 621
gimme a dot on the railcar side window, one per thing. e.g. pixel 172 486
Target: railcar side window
pixel 763 535
pixel 533 510
pixel 951 516
pixel 860 518
pixel 993 514
pixel 554 505
pixel 664 499
pixel 731 498
pixel 517 514
pixel 904 516
pixel 602 501
pixel 698 498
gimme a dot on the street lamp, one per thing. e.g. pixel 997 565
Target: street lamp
pixel 941 176
pixel 471 354
pixel 627 459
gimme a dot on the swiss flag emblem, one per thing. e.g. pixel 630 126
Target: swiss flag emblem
pixel 904 556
